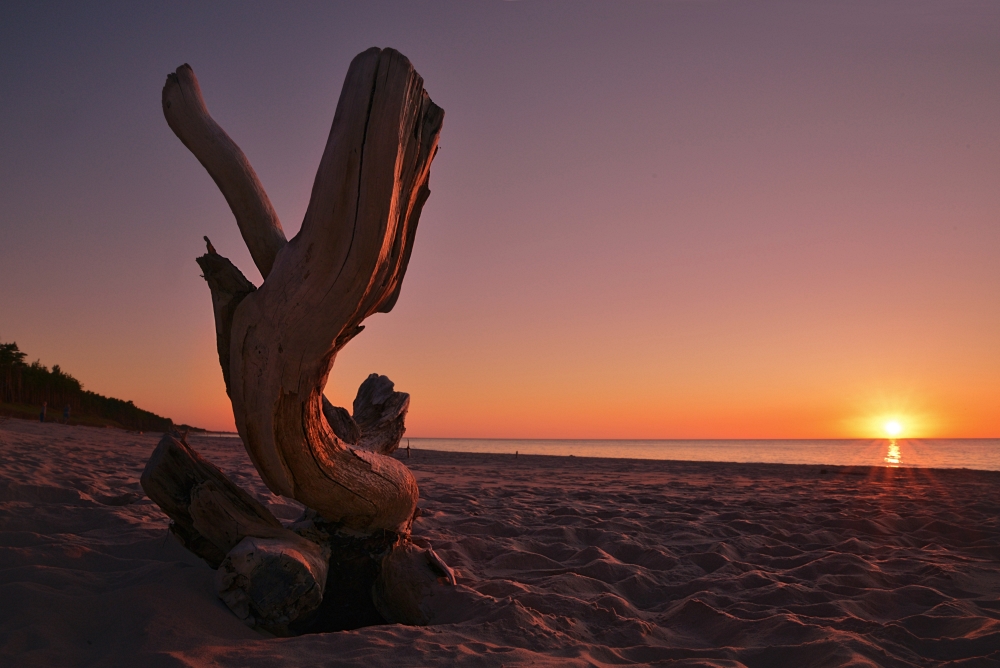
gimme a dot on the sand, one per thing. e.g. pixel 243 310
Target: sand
pixel 562 561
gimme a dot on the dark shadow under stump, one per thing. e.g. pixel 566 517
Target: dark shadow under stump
pixel 354 566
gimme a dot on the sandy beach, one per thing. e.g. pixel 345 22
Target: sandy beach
pixel 562 561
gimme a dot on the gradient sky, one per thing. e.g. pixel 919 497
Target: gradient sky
pixel 648 219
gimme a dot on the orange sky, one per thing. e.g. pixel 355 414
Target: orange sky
pixel 647 220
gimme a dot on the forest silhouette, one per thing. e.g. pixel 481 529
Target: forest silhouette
pixel 24 387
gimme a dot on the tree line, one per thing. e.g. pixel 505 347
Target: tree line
pixel 32 384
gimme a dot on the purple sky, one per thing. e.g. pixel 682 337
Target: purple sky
pixel 648 219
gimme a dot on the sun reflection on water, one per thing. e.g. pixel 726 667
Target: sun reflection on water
pixel 893 457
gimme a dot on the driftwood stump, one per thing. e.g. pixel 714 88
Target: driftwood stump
pixel 343 564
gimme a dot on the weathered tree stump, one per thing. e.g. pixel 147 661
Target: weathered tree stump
pixel 277 345
pixel 270 576
pixel 273 583
pixel 210 513
pixel 407 582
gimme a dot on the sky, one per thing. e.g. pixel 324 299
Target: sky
pixel 677 219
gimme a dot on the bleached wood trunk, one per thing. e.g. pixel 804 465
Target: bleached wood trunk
pixel 346 263
pixel 210 513
pixel 277 343
pixel 268 575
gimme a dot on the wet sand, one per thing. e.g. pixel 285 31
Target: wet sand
pixel 562 561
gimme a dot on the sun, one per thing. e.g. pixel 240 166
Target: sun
pixel 893 428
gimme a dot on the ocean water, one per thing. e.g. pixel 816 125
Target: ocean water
pixel 942 453
pixel 982 454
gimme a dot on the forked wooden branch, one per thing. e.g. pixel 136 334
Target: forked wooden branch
pixel 346 263
pixel 188 117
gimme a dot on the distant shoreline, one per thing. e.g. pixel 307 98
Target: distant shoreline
pixel 426 456
pixel 972 454
pixel 54 416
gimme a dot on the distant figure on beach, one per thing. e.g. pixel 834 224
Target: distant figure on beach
pixel 41 416
pixel 66 414
pixel 407 448
pixel 515 454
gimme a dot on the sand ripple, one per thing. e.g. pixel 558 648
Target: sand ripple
pixel 561 562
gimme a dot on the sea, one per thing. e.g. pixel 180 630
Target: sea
pixel 972 453
pixel 982 454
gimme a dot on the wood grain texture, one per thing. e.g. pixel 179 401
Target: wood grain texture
pixel 268 575
pixel 411 585
pixel 187 115
pixel 210 513
pixel 228 286
pixel 272 583
pixel 346 263
pixel 380 413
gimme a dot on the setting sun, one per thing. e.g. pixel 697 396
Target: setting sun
pixel 893 428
